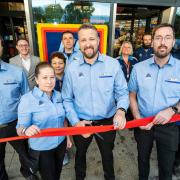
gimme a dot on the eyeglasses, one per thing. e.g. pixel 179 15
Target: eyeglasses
pixel 23 45
pixel 167 38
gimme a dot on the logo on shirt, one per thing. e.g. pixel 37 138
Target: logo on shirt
pixel 148 75
pixel 81 74
pixel 41 102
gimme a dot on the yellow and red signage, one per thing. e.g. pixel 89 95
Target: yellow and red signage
pixel 49 37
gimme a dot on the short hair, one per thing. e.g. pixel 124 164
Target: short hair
pixel 126 42
pixel 59 55
pixel 2 41
pixel 161 26
pixel 40 66
pixel 23 39
pixel 67 32
pixel 88 26
pixel 146 34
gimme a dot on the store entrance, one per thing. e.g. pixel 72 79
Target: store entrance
pixel 133 21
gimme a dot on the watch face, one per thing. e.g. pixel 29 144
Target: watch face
pixel 175 109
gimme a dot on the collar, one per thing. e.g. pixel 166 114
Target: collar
pixel 28 56
pixel 37 92
pixel 99 58
pixel 170 62
pixel 3 65
pixel 130 58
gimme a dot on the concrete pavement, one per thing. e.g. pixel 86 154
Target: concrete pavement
pixel 125 155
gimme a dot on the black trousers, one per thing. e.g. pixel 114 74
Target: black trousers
pixel 166 137
pixel 105 146
pixel 177 157
pixel 19 146
pixel 50 162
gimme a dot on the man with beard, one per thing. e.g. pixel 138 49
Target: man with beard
pixel 155 91
pixel 94 93
pixel 146 51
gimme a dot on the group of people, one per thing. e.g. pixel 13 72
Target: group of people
pixel 87 88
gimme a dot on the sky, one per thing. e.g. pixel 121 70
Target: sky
pixel 101 9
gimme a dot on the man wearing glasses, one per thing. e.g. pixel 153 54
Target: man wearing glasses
pixel 155 91
pixel 25 60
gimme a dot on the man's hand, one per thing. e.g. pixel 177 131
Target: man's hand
pixel 84 123
pixel 147 127
pixel 32 130
pixel 69 143
pixel 163 116
pixel 119 119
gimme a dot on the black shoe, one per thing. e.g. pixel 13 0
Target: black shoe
pixel 32 177
pixel 176 171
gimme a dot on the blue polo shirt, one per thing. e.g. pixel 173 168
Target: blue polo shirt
pixel 94 92
pixel 13 84
pixel 36 108
pixel 142 54
pixel 157 88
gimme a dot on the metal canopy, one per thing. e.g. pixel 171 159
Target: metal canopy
pixel 174 3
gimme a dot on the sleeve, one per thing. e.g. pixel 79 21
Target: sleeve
pixel 121 90
pixel 24 84
pixel 132 85
pixel 24 114
pixel 68 98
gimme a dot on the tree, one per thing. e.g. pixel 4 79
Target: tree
pixel 78 12
pixel 54 13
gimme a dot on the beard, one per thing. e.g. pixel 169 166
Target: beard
pixel 92 54
pixel 160 54
pixel 146 46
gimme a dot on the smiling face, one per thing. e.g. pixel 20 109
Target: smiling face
pixel 58 65
pixel 23 47
pixel 46 79
pixel 126 49
pixel 88 42
pixel 163 42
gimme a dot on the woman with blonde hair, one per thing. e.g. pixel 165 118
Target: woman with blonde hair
pixel 126 60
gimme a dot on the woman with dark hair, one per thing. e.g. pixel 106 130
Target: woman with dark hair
pixel 39 109
pixel 58 62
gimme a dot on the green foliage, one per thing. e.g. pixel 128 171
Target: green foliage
pixel 78 13
pixel 53 13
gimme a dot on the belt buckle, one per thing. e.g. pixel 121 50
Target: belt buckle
pixel 3 125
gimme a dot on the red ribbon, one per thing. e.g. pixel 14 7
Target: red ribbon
pixel 88 129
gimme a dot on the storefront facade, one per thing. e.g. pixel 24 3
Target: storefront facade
pixel 133 18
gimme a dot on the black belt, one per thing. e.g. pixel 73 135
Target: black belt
pixel 101 121
pixel 7 124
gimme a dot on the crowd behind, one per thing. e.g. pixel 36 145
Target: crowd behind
pixel 86 88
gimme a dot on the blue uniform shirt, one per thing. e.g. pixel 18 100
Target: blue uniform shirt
pixel 157 88
pixel 132 60
pixel 13 84
pixel 91 91
pixel 36 108
pixel 142 54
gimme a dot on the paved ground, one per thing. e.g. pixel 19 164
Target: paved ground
pixel 125 155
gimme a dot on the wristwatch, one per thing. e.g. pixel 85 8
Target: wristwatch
pixel 175 109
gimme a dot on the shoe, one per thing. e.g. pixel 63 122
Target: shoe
pixel 32 177
pixel 176 171
pixel 66 159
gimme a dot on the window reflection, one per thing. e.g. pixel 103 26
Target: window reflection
pixel 70 12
